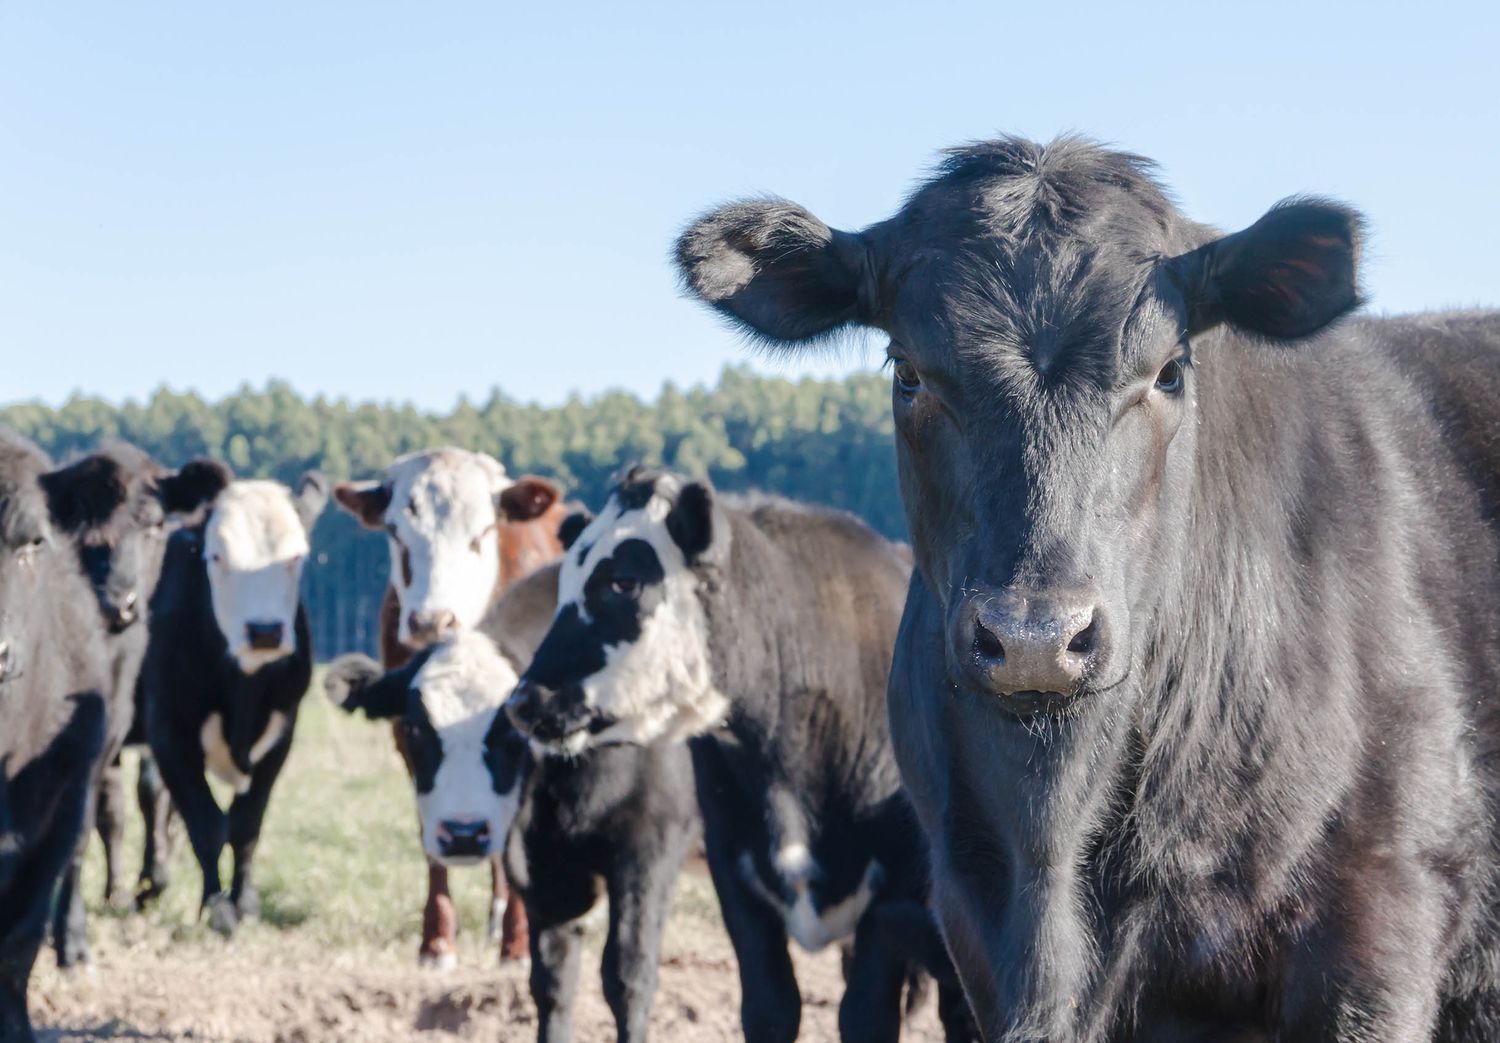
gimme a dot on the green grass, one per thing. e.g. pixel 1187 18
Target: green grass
pixel 339 866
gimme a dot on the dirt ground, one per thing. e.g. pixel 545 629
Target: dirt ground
pixel 333 957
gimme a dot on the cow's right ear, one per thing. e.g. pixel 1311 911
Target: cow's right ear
pixel 527 497
pixel 367 501
pixel 196 483
pixel 697 526
pixel 356 682
pixel 572 527
pixel 777 271
pixel 85 494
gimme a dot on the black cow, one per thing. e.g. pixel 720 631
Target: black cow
pixel 228 662
pixel 619 816
pixel 53 676
pixel 1195 688
pixel 762 629
pixel 113 506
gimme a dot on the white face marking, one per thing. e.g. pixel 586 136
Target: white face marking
pixel 255 546
pixel 463 684
pixel 661 684
pixel 441 525
pixel 805 923
pixel 216 754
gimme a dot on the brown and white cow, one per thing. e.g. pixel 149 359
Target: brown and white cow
pixel 460 532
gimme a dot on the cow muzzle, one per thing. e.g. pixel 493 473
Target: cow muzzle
pixel 553 719
pixel 1034 650
pixel 431 626
pixel 463 840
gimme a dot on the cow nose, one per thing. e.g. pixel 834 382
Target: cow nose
pixel 432 626
pixel 1011 643
pixel 463 838
pixel 263 635
pixel 125 609
pixel 525 706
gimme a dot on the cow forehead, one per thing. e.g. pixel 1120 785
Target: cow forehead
pixel 445 489
pixel 254 523
pixel 614 525
pixel 464 681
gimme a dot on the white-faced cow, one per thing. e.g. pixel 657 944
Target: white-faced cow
pixel 762 630
pixel 113 506
pixel 616 820
pixel 53 677
pixel 228 662
pixel 1195 689
pixel 460 531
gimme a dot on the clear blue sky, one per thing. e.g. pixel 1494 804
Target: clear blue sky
pixel 414 201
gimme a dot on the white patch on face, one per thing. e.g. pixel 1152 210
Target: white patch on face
pixel 441 521
pixel 805 923
pixel 217 757
pixel 255 546
pixel 464 684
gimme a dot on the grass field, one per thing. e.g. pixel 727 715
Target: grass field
pixel 342 879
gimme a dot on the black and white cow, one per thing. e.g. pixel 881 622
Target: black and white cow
pixel 617 819
pixel 229 660
pixel 764 629
pixel 53 676
pixel 113 506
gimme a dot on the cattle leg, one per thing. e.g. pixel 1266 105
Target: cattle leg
pixel 640 894
pixel 246 816
pixel 770 1002
pixel 207 826
pixel 439 949
pixel 109 821
pixel 507 916
pixel 871 1008
pixel 17 955
pixel 156 811
pixel 556 959
pixel 69 917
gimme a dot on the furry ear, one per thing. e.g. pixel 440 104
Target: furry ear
pixel 528 497
pixel 572 527
pixel 367 501
pixel 85 494
pixel 777 271
pixel 310 497
pixel 692 521
pixel 1287 276
pixel 356 682
pixel 197 483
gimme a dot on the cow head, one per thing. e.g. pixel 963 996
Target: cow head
pixel 441 510
pixel 255 544
pixel 114 505
pixel 1051 319
pixel 627 657
pixel 27 540
pixel 467 762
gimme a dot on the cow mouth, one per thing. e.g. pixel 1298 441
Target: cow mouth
pixel 570 734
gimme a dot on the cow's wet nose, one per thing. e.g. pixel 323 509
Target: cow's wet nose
pixel 1010 643
pixel 527 707
pixel 432 626
pixel 463 838
pixel 263 635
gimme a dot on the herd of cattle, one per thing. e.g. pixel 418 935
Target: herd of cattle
pixel 1177 722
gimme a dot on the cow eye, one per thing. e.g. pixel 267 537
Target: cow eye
pixel 626 587
pixel 29 550
pixel 907 378
pixel 1169 380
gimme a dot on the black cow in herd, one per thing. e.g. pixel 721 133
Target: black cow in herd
pixel 226 667
pixel 54 675
pixel 113 506
pixel 761 630
pixel 1194 692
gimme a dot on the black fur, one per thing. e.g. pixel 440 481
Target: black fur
pixel 53 679
pixel 188 674
pixel 1266 810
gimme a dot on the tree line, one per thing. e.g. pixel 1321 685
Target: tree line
pixel 824 441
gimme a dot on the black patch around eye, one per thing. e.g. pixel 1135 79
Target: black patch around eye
pixel 504 754
pixel 424 749
pixel 572 650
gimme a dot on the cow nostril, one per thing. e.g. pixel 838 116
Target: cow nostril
pixel 1083 642
pixel 987 643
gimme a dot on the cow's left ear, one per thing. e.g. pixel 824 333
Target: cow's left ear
pixel 83 495
pixel 356 682
pixel 696 524
pixel 526 498
pixel 310 497
pixel 777 271
pixel 196 483
pixel 1285 277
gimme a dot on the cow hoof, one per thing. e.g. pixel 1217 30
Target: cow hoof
pixel 120 900
pixel 437 961
pixel 248 904
pixel 496 929
pixel 76 963
pixel 520 964
pixel 222 919
pixel 147 892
